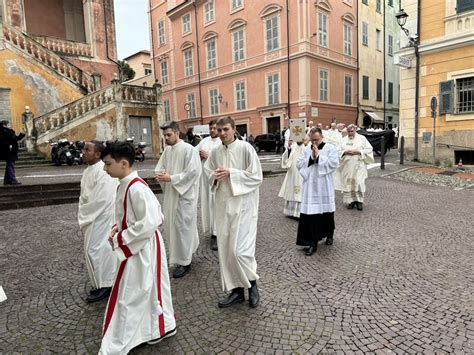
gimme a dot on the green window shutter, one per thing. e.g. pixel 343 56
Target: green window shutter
pixel 464 5
pixel 446 96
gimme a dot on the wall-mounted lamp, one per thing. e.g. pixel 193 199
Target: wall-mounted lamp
pixel 401 17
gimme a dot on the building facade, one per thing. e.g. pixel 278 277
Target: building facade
pixel 257 61
pixel 140 62
pixel 446 73
pixel 378 76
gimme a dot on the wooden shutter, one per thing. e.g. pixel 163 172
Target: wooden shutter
pixel 446 96
pixel 464 5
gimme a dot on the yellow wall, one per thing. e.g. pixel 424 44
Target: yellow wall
pixel 34 86
pixel 432 19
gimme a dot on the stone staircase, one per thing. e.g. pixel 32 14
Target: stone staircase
pixel 26 196
pixel 28 160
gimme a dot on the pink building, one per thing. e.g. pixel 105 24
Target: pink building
pixel 235 57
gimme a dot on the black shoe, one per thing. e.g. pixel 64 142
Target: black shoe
pixel 213 242
pixel 254 297
pixel 329 240
pixel 311 250
pixel 305 249
pixel 359 206
pixel 351 205
pixel 166 335
pixel 15 183
pixel 99 295
pixel 180 271
pixel 237 296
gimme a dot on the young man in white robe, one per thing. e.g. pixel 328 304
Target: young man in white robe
pixel 333 136
pixel 291 188
pixel 96 218
pixel 140 308
pixel 356 152
pixel 204 148
pixel 317 165
pixel 235 174
pixel 178 172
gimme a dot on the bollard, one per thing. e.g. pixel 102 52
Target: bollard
pixel 402 149
pixel 382 152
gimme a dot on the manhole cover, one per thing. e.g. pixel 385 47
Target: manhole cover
pixel 447 172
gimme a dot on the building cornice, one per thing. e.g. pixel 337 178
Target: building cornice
pixel 447 43
pixel 186 5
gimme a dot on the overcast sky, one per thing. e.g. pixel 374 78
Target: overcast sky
pixel 131 25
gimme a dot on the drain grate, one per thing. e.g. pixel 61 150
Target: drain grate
pixel 448 172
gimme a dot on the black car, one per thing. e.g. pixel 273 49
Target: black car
pixel 267 142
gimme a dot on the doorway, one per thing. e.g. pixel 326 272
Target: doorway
pixel 273 124
pixel 242 129
pixel 140 129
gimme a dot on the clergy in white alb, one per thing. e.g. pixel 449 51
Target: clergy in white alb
pixel 317 165
pixel 291 188
pixel 140 307
pixel 178 171
pixel 356 152
pixel 204 149
pixel 96 217
pixel 235 174
pixel 333 136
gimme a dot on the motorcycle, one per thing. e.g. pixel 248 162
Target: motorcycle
pixel 66 152
pixel 139 149
pixel 76 152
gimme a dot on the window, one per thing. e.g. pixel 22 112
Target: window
pixel 379 90
pixel 188 62
pixel 348 90
pixel 323 85
pixel 464 5
pixel 271 25
pixel 237 4
pixel 161 32
pixel 378 6
pixel 365 2
pixel 273 89
pixel 347 39
pixel 164 73
pixel 365 87
pixel 390 93
pixel 166 110
pixel 465 95
pixel 390 3
pixel 186 23
pixel 377 39
pixel 390 45
pixel 365 33
pixel 240 96
pixel 192 104
pixel 323 29
pixel 238 39
pixel 209 11
pixel 211 55
pixel 148 71
pixel 214 101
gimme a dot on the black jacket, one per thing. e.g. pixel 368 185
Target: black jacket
pixel 9 144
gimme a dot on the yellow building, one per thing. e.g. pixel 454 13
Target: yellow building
pixel 446 72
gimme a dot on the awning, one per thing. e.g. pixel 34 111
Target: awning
pixel 376 118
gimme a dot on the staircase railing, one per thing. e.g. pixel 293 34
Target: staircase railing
pixel 65 46
pixel 114 93
pixel 28 45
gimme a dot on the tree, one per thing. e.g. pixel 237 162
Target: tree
pixel 127 72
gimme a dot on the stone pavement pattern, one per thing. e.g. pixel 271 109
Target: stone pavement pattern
pixel 398 278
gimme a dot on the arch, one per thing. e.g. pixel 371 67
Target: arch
pixel 348 17
pixel 237 23
pixel 209 35
pixel 187 45
pixel 270 9
pixel 323 5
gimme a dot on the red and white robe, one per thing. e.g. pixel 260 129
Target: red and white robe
pixel 140 307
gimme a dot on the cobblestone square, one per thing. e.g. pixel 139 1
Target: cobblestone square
pixel 398 279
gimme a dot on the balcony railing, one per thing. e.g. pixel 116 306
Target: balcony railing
pixel 65 47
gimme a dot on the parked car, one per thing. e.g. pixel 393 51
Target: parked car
pixel 267 142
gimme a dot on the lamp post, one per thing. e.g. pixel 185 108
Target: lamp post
pixel 414 42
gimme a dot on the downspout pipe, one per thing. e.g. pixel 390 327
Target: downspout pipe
pixel 198 62
pixel 152 47
pixel 107 40
pixel 417 79
pixel 288 56
pixel 357 68
pixel 384 68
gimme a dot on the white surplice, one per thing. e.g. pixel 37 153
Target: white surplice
pixel 236 211
pixel 352 171
pixel 207 195
pixel 318 180
pixel 291 188
pixel 140 307
pixel 96 217
pixel 182 162
pixel 332 136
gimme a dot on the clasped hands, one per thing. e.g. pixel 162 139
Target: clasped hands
pixel 112 235
pixel 221 173
pixel 352 152
pixel 163 176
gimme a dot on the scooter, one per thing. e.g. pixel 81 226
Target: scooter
pixel 139 149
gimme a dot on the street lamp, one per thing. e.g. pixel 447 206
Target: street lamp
pixel 401 17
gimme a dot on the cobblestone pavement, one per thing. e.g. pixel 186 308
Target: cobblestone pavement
pixel 399 278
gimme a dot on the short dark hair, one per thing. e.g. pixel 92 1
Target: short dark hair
pixel 119 151
pixel 98 146
pixel 316 130
pixel 4 123
pixel 212 122
pixel 224 120
pixel 171 125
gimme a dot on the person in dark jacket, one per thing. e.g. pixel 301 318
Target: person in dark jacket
pixel 9 151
